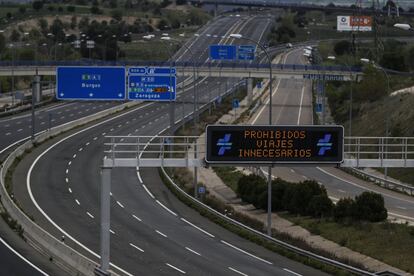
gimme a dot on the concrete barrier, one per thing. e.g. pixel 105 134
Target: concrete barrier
pixel 69 259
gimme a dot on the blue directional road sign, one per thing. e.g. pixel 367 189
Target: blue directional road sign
pixel 90 83
pixel 152 83
pixel 246 52
pixel 236 103
pixel 223 52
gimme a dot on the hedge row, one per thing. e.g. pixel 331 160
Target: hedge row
pixel 308 198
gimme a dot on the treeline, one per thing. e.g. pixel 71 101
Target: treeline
pixel 308 198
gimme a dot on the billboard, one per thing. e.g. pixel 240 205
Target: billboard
pixel 354 23
pixel 238 144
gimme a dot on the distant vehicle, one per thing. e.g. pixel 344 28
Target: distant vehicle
pixel 289 45
pixel 182 35
pixel 308 48
pixel 164 34
pixel 237 15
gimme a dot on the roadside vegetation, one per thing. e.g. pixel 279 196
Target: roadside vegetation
pixel 43 31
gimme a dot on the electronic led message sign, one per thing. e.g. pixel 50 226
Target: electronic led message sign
pixel 238 144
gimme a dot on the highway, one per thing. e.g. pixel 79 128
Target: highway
pixel 292 104
pixel 152 232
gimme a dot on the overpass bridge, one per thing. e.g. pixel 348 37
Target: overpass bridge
pixel 210 69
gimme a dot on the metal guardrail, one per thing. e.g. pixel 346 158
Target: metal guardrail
pixel 271 239
pixel 386 183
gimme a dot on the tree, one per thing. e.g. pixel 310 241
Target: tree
pixel 410 57
pixel 2 43
pixel 370 206
pixel 71 8
pixel 342 47
pixel 43 24
pixel 320 206
pixel 372 87
pixel 113 4
pixel 344 209
pixel 73 22
pixel 27 54
pixel 22 9
pixel 117 14
pixel 37 5
pixel 95 10
pixel 15 35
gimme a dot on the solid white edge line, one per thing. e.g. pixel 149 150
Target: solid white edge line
pixel 77 201
pixel 176 268
pixel 239 272
pixel 198 228
pixel 266 103
pixel 165 207
pixel 146 189
pixel 300 105
pixel 360 186
pixel 23 258
pixel 292 272
pixel 47 150
pixel 137 218
pixel 90 215
pixel 245 252
pixel 136 247
pixel 139 177
pixel 160 233
pixel 193 251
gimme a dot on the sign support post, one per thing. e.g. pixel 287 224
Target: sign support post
pixel 105 219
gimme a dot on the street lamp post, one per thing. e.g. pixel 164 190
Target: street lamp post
pixel 387 119
pixel 195 108
pixel 269 177
pixel 350 96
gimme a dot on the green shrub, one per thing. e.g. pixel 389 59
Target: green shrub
pixel 370 206
pixel 344 209
pixel 320 206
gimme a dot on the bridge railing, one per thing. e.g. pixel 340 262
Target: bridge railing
pixel 188 64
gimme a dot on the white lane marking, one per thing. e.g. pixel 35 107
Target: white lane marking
pixel 111 129
pixel 47 150
pixel 23 258
pixel 400 207
pixel 341 191
pixel 139 177
pixel 42 123
pixel 74 156
pixel 67 171
pixel 19 130
pixel 69 163
pixel 77 202
pixel 95 138
pixel 146 189
pixel 176 268
pixel 304 177
pixel 63 117
pixel 137 218
pixel 362 187
pixel 87 144
pixel 112 232
pixel 80 149
pixel 66 180
pixel 300 105
pixel 103 133
pixel 120 204
pixel 90 215
pixel 193 251
pixel 245 252
pixel 292 272
pixel 198 228
pixel 7 125
pixel 70 190
pixel 239 272
pixel 266 104
pixel 136 247
pixel 110 193
pixel 165 207
pixel 18 122
pixel 292 170
pixel 8 133
pixel 160 233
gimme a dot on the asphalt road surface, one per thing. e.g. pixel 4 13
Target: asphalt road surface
pixel 152 233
